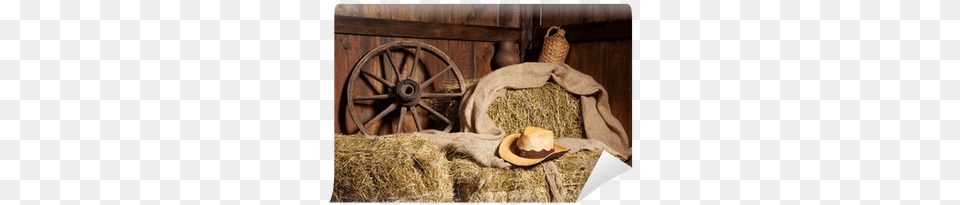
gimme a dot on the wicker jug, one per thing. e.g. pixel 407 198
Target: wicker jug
pixel 555 47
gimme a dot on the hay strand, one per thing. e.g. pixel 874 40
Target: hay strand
pixel 399 168
pixel 549 107
pixel 366 171
pixel 475 183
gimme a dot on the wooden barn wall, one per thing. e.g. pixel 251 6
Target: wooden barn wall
pixel 472 57
pixel 608 62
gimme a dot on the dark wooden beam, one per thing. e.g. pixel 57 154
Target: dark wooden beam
pixel 425 30
pixel 529 45
pixel 610 30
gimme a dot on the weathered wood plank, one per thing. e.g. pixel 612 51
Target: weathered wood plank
pixel 431 13
pixel 403 12
pixel 554 14
pixel 370 11
pixel 593 60
pixel 462 54
pixel 620 12
pixel 483 55
pixel 626 69
pixel 615 66
pixel 509 15
pixel 529 44
pixel 574 57
pixel 485 14
pixel 574 14
pixel 424 30
pixel 459 15
pixel 344 48
pixel 597 13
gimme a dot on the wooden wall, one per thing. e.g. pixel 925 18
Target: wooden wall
pixel 472 57
pixel 608 61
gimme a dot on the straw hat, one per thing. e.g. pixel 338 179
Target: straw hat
pixel 531 147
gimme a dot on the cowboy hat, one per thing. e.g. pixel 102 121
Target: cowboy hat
pixel 531 147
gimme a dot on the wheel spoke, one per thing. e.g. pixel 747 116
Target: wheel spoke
pixel 424 105
pixel 440 95
pixel 416 60
pixel 392 64
pixel 403 113
pixel 427 82
pixel 371 97
pixel 378 78
pixel 382 88
pixel 416 117
pixel 382 113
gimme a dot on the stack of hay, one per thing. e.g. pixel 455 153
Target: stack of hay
pixel 476 183
pixel 550 107
pixel 410 168
pixel 398 168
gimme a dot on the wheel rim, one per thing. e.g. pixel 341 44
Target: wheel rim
pixel 403 92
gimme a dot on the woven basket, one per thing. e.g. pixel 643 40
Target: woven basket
pixel 555 47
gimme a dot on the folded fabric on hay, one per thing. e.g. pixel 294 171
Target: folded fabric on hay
pixel 480 134
pixel 599 122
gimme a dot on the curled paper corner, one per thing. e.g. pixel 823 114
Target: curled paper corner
pixel 606 169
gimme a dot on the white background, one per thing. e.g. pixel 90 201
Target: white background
pixel 230 102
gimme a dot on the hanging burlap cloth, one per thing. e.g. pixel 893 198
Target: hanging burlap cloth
pixel 479 136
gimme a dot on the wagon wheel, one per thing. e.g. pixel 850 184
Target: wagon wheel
pixel 401 89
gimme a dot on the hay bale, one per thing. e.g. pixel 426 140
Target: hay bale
pixel 549 107
pixel 575 170
pixel 399 168
pixel 449 107
pixel 475 183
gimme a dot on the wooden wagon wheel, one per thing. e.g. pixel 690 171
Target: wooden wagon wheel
pixel 402 91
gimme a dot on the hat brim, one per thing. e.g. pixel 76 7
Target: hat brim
pixel 508 151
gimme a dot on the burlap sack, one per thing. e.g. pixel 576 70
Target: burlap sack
pixel 480 136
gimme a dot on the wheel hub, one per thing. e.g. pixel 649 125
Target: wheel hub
pixel 408 92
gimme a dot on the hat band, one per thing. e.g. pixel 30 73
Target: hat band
pixel 535 154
